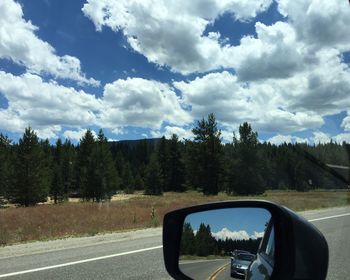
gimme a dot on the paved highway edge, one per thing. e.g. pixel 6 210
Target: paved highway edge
pixel 133 252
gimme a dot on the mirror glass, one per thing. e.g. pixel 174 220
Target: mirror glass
pixel 230 243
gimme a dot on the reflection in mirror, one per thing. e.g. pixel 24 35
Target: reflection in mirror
pixel 224 243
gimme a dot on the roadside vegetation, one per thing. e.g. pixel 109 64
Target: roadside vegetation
pixel 165 173
pixel 94 170
pixel 43 222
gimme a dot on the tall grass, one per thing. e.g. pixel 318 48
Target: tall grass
pixel 44 222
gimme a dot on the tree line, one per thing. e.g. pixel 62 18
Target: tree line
pixel 202 243
pixel 33 170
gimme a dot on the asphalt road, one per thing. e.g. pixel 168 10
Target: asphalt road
pixel 203 269
pixel 138 254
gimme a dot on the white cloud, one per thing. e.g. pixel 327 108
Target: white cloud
pixel 342 137
pixel 118 131
pixel 278 120
pixel 227 136
pixel 141 103
pixel 346 123
pixel 77 134
pixel 19 43
pixel 164 36
pixel 274 53
pixel 280 139
pixel 319 22
pixel 235 102
pixel 219 93
pixel 257 235
pixel 46 106
pixel 186 133
pixel 48 132
pixel 321 138
pixel 287 78
pixel 236 235
pixel 168 131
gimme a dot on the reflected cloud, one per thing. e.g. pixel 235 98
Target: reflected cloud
pixel 236 235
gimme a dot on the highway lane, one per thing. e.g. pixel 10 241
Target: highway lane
pixel 203 269
pixel 120 261
pixel 146 264
pixel 337 233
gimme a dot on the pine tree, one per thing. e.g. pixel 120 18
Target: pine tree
pixel 85 166
pixel 153 180
pixel 163 157
pixel 205 242
pixel 31 173
pixel 105 178
pixel 127 179
pixel 6 164
pixel 176 178
pixel 245 177
pixel 139 182
pixel 57 186
pixel 188 244
pixel 209 153
pixel 68 163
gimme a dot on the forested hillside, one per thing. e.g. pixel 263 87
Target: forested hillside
pixel 95 169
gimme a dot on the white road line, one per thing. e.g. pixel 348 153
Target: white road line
pixel 122 254
pixel 79 262
pixel 329 217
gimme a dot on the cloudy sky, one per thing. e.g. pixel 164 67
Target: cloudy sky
pixel 234 223
pixel 148 68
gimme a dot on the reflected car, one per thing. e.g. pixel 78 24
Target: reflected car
pixel 240 263
pixel 262 266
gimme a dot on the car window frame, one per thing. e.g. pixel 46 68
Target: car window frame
pixel 265 242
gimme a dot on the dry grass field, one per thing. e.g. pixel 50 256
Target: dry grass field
pixel 45 222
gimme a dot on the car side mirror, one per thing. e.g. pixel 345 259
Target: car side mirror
pixel 242 239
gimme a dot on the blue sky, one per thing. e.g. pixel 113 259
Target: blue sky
pixel 249 220
pixel 143 69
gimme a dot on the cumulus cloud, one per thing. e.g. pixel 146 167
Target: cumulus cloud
pixel 46 106
pixel 164 36
pixel 273 53
pixel 168 131
pixel 321 138
pixel 235 102
pixel 227 136
pixel 342 137
pixel 236 235
pixel 280 139
pixel 319 22
pixel 19 43
pixel 77 134
pixel 142 103
pixel 346 123
pixel 219 93
pixel 287 77
pixel 118 131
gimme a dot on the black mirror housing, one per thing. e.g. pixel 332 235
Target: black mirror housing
pixel 301 251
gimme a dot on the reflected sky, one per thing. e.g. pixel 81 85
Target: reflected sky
pixel 234 219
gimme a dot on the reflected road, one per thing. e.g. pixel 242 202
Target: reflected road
pixel 207 269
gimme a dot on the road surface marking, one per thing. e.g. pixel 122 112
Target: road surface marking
pixel 79 262
pixel 329 217
pixel 216 272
